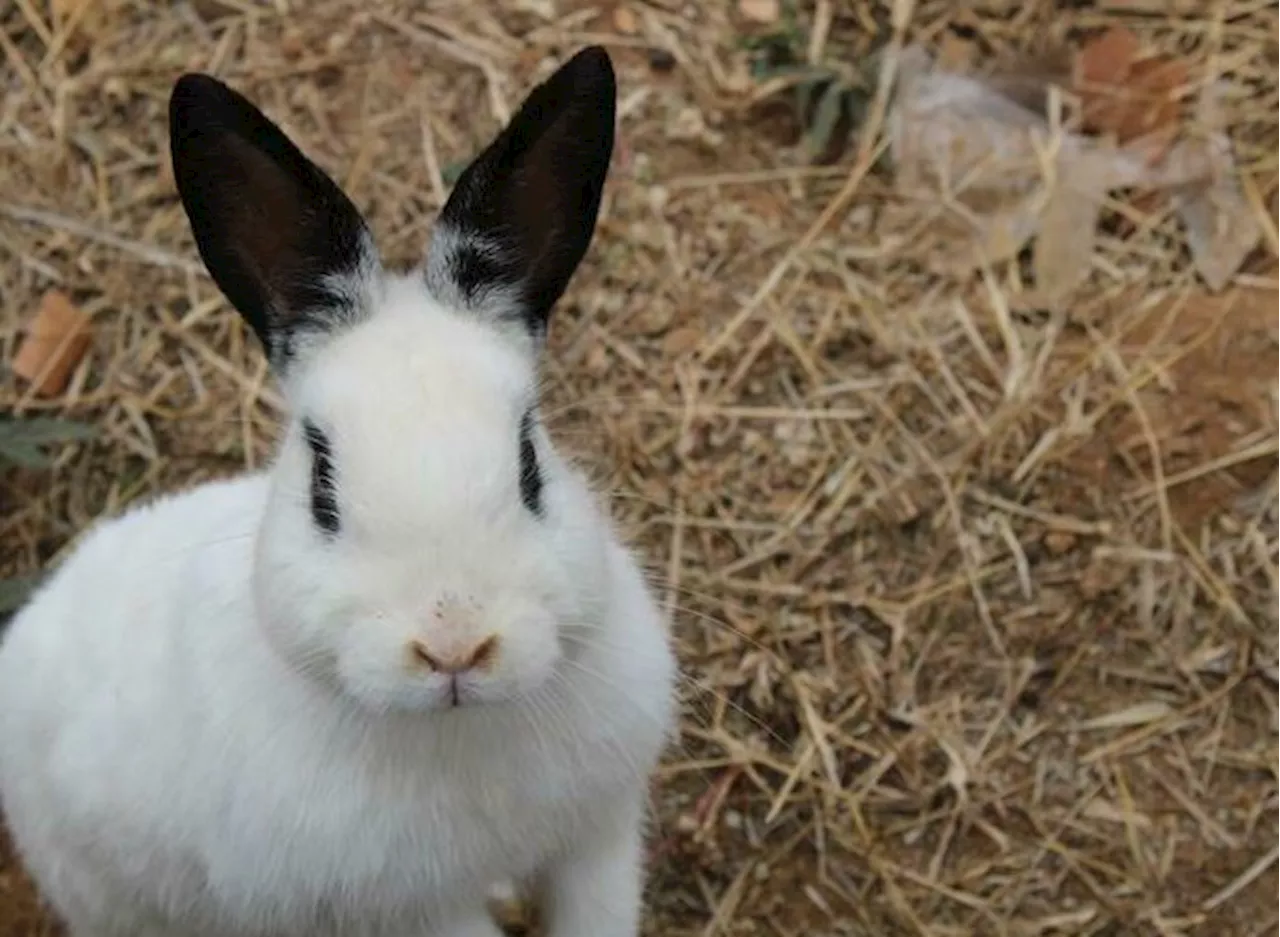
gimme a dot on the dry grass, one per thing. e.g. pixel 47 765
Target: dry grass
pixel 976 600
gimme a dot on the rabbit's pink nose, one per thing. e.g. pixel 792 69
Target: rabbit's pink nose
pixel 478 657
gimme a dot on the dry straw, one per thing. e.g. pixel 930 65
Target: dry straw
pixel 976 600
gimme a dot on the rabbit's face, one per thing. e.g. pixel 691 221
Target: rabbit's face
pixel 423 545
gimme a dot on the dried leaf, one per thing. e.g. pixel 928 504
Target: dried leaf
pixel 1106 60
pixel 56 342
pixel 1221 229
pixel 954 246
pixel 1126 94
pixel 967 144
pixel 1157 84
pixel 1067 227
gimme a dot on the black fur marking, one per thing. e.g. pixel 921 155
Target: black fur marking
pixel 524 212
pixel 530 472
pixel 475 270
pixel 324 496
pixel 273 229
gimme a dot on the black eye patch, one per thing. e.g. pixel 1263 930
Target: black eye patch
pixel 530 473
pixel 324 499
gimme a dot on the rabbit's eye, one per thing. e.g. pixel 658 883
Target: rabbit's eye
pixel 530 473
pixel 324 499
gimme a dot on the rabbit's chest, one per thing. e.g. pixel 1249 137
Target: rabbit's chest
pixel 401 843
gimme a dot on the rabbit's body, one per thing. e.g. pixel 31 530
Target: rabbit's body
pixel 242 822
pixel 409 661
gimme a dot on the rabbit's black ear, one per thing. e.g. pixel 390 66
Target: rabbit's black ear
pixel 522 214
pixel 281 240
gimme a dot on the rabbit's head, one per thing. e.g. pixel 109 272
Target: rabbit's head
pixel 423 544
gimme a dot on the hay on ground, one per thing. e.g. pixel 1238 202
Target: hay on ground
pixel 975 599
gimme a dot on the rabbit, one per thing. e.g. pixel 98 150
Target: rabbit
pixel 410 659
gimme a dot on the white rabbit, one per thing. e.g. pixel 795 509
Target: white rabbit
pixel 348 695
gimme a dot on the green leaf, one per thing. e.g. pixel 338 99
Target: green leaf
pixel 22 441
pixel 24 455
pixel 773 54
pixel 807 89
pixel 826 117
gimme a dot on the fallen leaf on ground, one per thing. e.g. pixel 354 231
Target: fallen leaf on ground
pixel 999 174
pixel 56 341
pixel 1106 60
pixel 1068 225
pixel 1221 228
pixel 1125 93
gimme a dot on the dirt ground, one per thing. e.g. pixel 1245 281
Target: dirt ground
pixel 975 594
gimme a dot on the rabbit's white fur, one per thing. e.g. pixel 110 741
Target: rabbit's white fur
pixel 207 722
pixel 234 712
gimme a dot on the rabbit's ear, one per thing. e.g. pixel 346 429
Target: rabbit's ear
pixel 281 240
pixel 522 214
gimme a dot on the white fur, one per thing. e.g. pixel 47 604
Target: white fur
pixel 208 722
